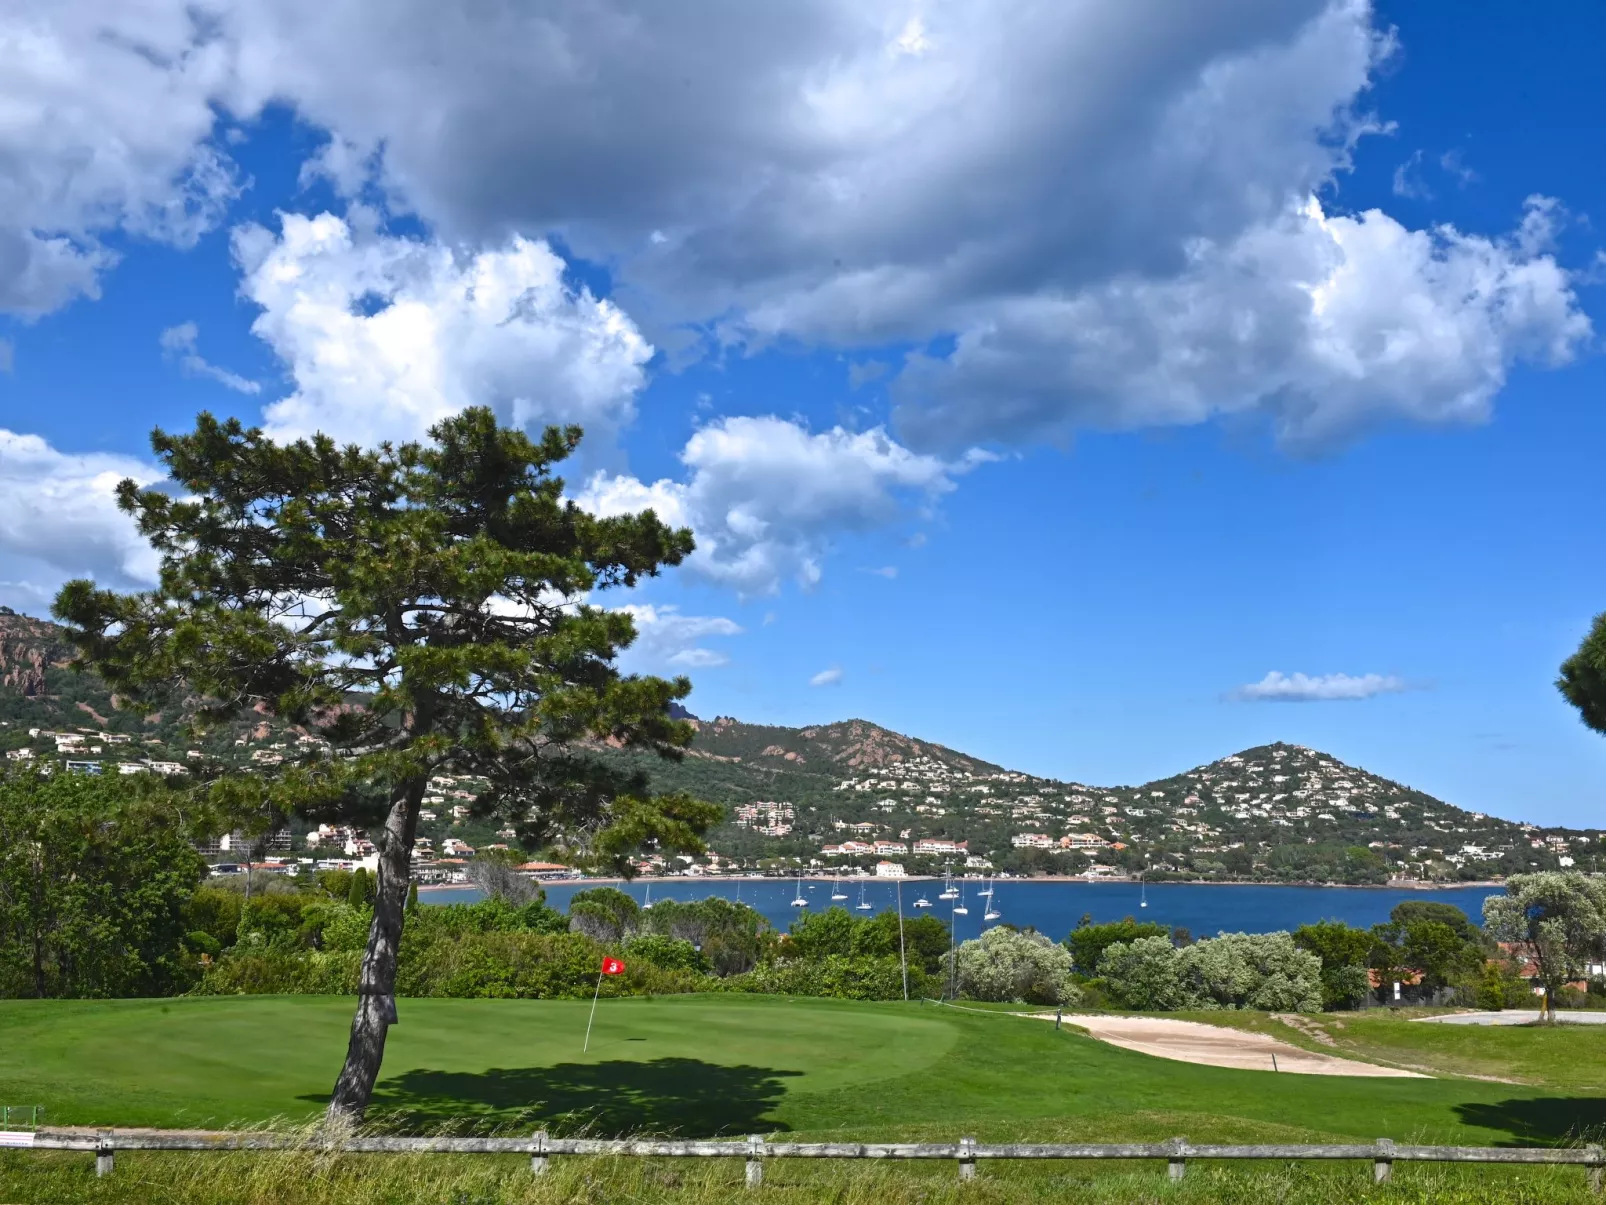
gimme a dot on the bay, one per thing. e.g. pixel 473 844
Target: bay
pixel 1050 906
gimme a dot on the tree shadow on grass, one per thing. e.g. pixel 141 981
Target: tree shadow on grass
pixel 684 1097
pixel 1542 1120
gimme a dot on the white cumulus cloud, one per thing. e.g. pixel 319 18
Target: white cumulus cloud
pixel 827 677
pixel 1277 687
pixel 1105 209
pixel 108 119
pixel 1328 324
pixel 59 519
pixel 385 335
pixel 765 496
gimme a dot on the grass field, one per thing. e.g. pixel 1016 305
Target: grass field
pixel 702 1065
pixel 699 1065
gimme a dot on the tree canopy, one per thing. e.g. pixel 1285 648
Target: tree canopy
pixel 1583 676
pixel 415 609
pixel 95 874
pixel 1555 919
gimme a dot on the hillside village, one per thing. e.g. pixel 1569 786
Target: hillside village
pixel 852 795
pixel 849 798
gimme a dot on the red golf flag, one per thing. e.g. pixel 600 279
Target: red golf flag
pixel 612 966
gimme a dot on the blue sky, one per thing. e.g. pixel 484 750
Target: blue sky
pixel 1092 399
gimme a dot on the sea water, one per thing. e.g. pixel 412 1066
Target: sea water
pixel 1049 906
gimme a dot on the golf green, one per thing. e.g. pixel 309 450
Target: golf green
pixel 708 1064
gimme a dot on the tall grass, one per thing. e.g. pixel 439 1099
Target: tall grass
pixel 312 1177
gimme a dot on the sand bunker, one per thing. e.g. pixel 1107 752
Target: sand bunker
pixel 1216 1046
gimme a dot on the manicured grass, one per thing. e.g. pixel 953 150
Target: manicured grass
pixel 722 1064
pixel 1570 1057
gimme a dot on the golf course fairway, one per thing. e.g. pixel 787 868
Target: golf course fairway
pixel 718 1064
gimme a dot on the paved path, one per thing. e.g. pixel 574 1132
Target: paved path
pixel 1520 1016
pixel 1218 1046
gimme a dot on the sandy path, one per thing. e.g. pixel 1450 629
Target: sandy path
pixel 1217 1046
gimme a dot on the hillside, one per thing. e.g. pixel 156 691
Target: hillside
pixel 49 708
pixel 828 794
pixel 1279 813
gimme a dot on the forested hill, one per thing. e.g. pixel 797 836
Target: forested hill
pixel 1276 812
pixel 828 793
pixel 41 691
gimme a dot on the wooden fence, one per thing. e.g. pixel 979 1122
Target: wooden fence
pixel 756 1151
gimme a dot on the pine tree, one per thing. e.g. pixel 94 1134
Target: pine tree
pixel 1583 677
pixel 423 608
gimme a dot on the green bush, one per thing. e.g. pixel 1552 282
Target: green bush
pixel 1088 941
pixel 670 953
pixel 280 972
pixel 842 977
pixel 1501 987
pixel 604 914
pixel 1345 952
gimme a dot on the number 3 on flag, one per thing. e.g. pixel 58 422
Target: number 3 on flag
pixel 612 966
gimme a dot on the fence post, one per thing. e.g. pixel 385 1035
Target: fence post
pixel 755 1160
pixel 1597 1166
pixel 538 1154
pixel 1383 1161
pixel 967 1158
pixel 1176 1161
pixel 105 1155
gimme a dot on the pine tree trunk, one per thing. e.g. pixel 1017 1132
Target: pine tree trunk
pixel 376 988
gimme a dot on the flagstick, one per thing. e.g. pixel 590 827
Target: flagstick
pixel 903 959
pixel 593 1016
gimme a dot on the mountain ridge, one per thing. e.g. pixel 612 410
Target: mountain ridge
pixel 850 792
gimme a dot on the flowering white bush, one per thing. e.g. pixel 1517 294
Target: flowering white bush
pixel 1002 964
pixel 1233 970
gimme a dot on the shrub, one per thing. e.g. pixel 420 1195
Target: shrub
pixel 1345 953
pixel 1252 970
pixel 604 914
pixel 1003 965
pixel 1144 974
pixel 844 977
pixel 282 972
pixel 1345 987
pixel 1088 941
pixel 669 953
pixel 733 937
pixel 924 940
pixel 1232 970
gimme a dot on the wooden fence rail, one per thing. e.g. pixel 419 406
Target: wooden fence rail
pixel 966 1153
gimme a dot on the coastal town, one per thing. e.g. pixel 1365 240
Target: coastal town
pixel 1246 816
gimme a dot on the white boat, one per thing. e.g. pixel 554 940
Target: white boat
pixel 863 905
pixel 648 905
pixel 959 908
pixel 992 912
pixel 922 902
pixel 987 889
pixel 948 892
pixel 836 889
pixel 800 902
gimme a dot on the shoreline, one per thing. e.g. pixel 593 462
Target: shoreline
pixel 1403 885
